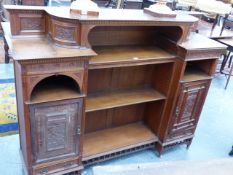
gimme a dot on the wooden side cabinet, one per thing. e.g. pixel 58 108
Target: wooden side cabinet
pixel 56 128
pixel 187 111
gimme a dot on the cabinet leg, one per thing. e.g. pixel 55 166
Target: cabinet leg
pixel 75 173
pixel 6 49
pixel 188 144
pixel 231 152
pixel 160 149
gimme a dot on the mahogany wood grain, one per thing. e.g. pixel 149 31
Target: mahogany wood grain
pixel 115 99
pixel 42 48
pixel 120 78
pixel 122 35
pixel 135 78
pixel 109 118
pixel 99 143
pixel 116 56
pixel 192 74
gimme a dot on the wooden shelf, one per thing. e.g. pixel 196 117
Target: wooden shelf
pixel 53 93
pixel 114 56
pixel 111 140
pixel 109 100
pixel 55 88
pixel 192 74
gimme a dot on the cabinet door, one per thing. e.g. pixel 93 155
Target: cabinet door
pixel 33 2
pixel 55 130
pixel 189 105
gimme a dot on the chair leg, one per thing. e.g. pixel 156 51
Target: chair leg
pixel 229 76
pixel 230 61
pixel 214 24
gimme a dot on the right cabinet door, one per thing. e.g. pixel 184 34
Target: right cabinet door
pixel 188 108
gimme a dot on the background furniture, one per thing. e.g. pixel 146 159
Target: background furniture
pixel 227 59
pixel 147 3
pixel 216 8
pixel 102 95
pixel 189 4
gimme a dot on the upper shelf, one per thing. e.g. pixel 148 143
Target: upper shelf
pixel 114 56
pixel 51 89
pixel 194 74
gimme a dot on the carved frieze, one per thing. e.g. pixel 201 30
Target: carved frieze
pixel 53 67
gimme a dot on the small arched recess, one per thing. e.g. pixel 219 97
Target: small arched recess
pixel 55 87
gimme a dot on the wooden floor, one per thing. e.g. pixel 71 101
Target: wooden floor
pixel 102 142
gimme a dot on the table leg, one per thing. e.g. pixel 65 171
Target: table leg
pixel 229 76
pixel 224 23
pixel 214 24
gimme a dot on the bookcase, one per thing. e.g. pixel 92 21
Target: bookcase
pixel 91 89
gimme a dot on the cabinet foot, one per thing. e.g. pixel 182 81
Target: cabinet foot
pixel 162 148
pixel 159 149
pixel 75 173
pixel 188 144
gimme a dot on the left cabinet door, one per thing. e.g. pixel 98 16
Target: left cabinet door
pixel 56 130
pixel 33 2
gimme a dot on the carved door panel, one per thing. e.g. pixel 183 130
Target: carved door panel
pixel 33 2
pixel 55 130
pixel 190 102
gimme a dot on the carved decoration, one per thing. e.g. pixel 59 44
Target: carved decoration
pixel 56 132
pixel 55 126
pixel 189 107
pixel 53 60
pixel 187 111
pixel 31 24
pixel 203 54
pixel 65 33
pixel 53 67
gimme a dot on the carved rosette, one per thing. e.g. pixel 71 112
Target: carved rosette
pixel 65 33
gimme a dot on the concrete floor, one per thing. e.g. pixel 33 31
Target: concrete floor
pixel 214 135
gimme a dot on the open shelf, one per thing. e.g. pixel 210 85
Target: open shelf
pixel 107 100
pixel 194 74
pixel 115 139
pixel 55 88
pixel 114 56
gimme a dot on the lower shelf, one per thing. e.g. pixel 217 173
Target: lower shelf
pixel 112 140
